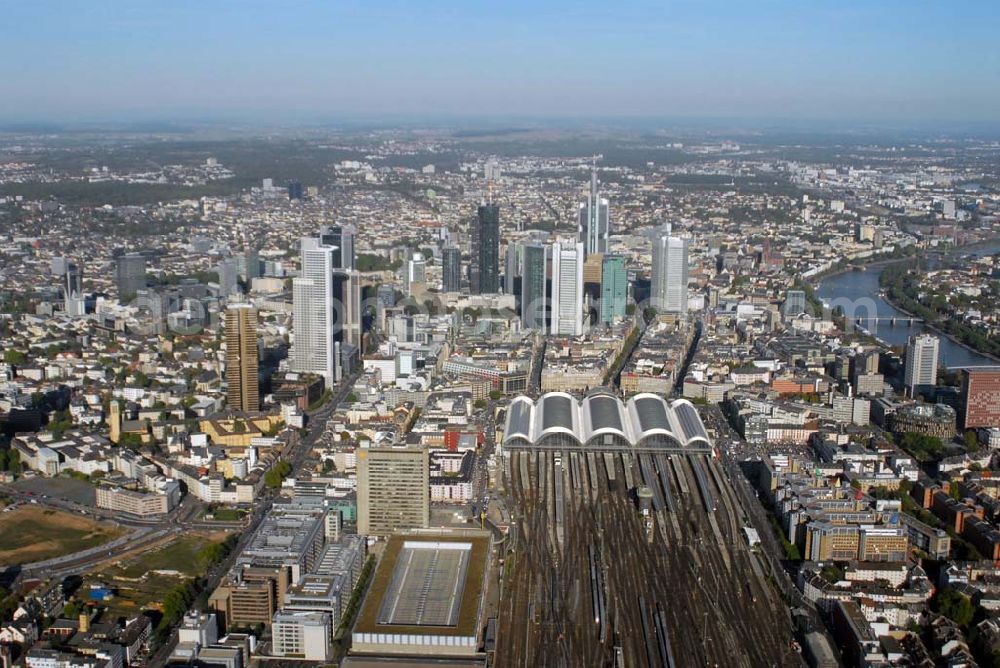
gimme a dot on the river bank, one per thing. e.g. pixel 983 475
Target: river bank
pixel 933 326
pixel 883 261
pixel 864 287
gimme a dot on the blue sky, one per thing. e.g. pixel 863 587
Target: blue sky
pixel 877 60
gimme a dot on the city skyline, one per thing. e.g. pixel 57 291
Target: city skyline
pixel 499 334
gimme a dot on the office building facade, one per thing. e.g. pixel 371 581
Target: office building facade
pixel 130 275
pixel 326 305
pixel 393 489
pixel 614 289
pixel 920 371
pixel 451 269
pixel 980 397
pixel 795 303
pixel 484 274
pixel 242 389
pixel 533 287
pixel 341 239
pixel 594 225
pixel 567 289
pixel 670 272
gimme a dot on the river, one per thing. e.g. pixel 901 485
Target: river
pixel 860 289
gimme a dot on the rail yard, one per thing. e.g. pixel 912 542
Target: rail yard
pixel 633 559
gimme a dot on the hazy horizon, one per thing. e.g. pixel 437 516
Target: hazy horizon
pixel 892 63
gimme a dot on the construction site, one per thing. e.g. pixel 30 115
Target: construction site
pixel 627 543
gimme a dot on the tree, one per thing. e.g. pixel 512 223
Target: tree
pixel 72 609
pixel 480 403
pixel 971 440
pixel 955 606
pixel 276 474
pixel 130 440
pixel 351 398
pixel 15 357
pixel 495 394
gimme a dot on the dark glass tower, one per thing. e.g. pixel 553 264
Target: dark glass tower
pixel 341 237
pixel 485 272
pixel 451 269
pixel 130 275
pixel 533 288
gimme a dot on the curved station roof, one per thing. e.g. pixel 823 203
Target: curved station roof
pixel 603 422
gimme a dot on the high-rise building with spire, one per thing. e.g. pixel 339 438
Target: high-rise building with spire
pixel 594 225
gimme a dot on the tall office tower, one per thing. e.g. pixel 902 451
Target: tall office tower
pixel 594 226
pixel 341 238
pixel 451 269
pixel 294 190
pixel 241 358
pixel 416 272
pixel 131 275
pixel 326 306
pixel 533 278
pixel 795 303
pixel 484 274
pixel 228 276
pixel 670 272
pixel 614 289
pixel 492 171
pixel 980 397
pixel 249 264
pixel 512 268
pixel 393 489
pixel 567 289
pixel 385 298
pixel 74 302
pixel 920 371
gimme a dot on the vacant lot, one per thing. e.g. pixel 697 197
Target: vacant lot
pixel 30 533
pixel 142 582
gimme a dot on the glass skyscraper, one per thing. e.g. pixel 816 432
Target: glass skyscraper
pixel 614 289
pixel 567 289
pixel 131 275
pixel 484 276
pixel 594 226
pixel 670 272
pixel 451 269
pixel 533 279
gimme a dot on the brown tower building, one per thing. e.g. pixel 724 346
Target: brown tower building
pixel 241 358
pixel 980 397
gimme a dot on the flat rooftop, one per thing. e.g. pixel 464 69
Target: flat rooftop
pixel 427 583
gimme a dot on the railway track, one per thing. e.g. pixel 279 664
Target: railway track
pixel 590 586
